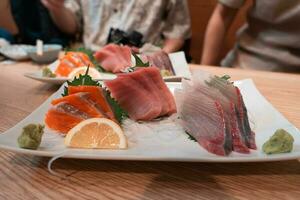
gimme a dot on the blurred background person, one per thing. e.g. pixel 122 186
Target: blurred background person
pixel 25 21
pixel 270 40
pixel 164 23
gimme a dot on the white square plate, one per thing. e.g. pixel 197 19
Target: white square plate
pixel 179 63
pixel 160 146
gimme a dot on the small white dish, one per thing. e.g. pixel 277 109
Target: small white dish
pixel 16 52
pixel 179 63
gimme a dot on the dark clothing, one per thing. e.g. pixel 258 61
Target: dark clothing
pixel 34 22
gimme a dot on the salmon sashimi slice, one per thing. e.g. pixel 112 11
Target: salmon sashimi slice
pixel 63 117
pixel 70 61
pixel 80 101
pixel 96 95
pixel 114 58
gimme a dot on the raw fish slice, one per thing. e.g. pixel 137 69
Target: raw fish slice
pixel 147 83
pixel 80 101
pixel 114 58
pixel 133 98
pixel 97 96
pixel 162 87
pixel 161 60
pixel 62 117
pixel 203 118
pixel 70 61
pixel 233 94
pixel 64 68
pixel 230 115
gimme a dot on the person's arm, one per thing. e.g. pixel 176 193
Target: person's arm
pixel 172 45
pixel 62 16
pixel 177 25
pixel 216 30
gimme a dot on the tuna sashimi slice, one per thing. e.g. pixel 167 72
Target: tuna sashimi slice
pixel 62 117
pixel 144 80
pixel 114 58
pixel 166 94
pixel 132 97
pixel 97 96
pixel 143 94
pixel 81 102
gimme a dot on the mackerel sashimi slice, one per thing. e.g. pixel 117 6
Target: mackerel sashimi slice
pixel 143 94
pixel 114 58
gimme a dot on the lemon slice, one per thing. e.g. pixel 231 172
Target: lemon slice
pixel 94 73
pixel 96 133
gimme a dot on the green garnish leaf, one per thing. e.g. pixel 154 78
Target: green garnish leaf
pixel 191 137
pixel 225 77
pixel 120 114
pixel 81 80
pixel 139 62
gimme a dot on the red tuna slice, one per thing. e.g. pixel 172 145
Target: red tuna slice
pixel 132 97
pixel 160 60
pixel 81 102
pixel 154 73
pixel 96 96
pixel 143 79
pixel 63 117
pixel 203 118
pixel 114 58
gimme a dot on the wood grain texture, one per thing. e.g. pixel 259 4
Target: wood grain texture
pixel 26 177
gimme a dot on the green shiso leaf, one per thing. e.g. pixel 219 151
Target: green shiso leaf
pixel 120 114
pixel 191 137
pixel 81 80
pixel 139 62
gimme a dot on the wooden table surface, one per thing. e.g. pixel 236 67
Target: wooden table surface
pixel 26 177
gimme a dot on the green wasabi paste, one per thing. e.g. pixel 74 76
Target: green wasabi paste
pixel 31 136
pixel 280 142
pixel 48 73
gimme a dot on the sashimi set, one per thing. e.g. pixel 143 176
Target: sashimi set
pixel 111 58
pixel 92 115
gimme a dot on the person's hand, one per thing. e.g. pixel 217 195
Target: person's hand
pixel 53 5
